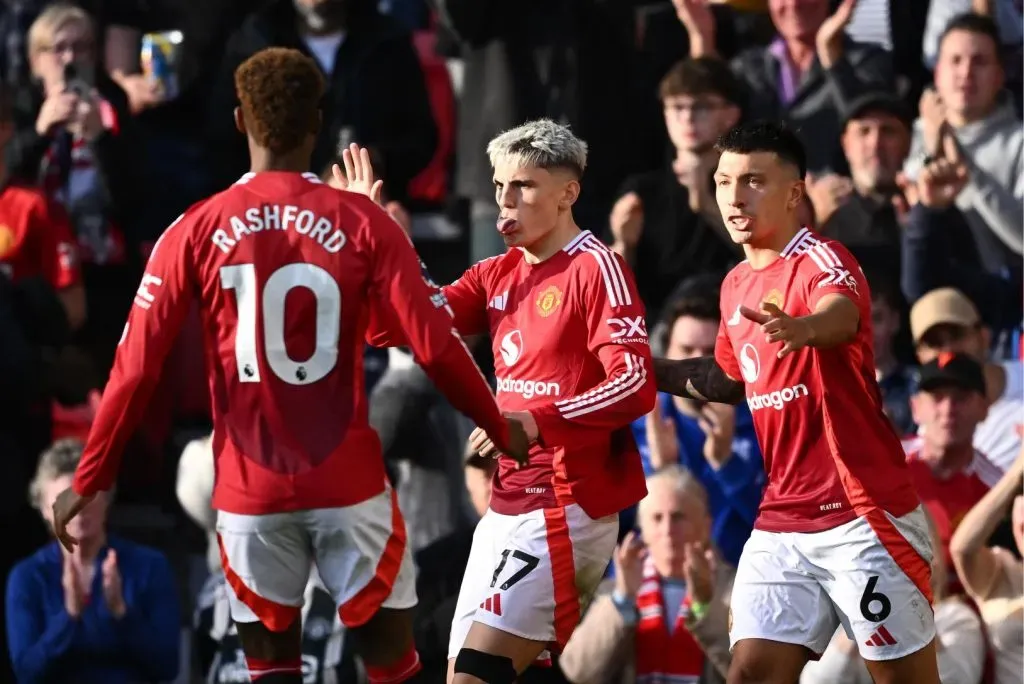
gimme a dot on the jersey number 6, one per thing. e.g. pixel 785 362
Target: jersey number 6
pixel 871 596
pixel 242 279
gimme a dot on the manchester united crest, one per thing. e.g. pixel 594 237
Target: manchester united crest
pixel 775 297
pixel 549 299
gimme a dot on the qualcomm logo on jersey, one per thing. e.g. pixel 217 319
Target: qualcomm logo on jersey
pixel 776 399
pixel 511 348
pixel 750 364
pixel 528 389
pixel 628 329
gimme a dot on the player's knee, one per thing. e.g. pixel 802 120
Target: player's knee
pixel 752 670
pixel 386 637
pixel 263 644
pixel 486 667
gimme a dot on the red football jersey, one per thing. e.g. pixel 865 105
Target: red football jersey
pixel 35 238
pixel 286 270
pixel 949 499
pixel 570 346
pixel 829 451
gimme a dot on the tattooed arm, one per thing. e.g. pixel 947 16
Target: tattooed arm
pixel 701 379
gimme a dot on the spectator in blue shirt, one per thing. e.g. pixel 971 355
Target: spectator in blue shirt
pixel 107 612
pixel 715 442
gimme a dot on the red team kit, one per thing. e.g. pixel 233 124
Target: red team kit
pixel 265 258
pixel 570 346
pixel 837 472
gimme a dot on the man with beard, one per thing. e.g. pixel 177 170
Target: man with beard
pixel 862 212
pixel 375 96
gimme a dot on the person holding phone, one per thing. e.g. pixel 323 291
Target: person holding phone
pixel 73 138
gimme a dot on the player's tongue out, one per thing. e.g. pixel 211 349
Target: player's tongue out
pixel 506 225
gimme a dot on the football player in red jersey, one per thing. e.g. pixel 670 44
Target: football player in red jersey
pixel 287 271
pixel 840 536
pixel 572 362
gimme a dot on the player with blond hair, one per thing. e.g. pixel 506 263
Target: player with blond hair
pixel 573 364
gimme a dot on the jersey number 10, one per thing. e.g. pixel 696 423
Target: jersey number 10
pixel 242 279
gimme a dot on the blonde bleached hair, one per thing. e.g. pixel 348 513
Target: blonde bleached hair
pixel 53 19
pixel 542 144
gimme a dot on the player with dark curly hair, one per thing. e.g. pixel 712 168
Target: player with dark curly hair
pixel 288 272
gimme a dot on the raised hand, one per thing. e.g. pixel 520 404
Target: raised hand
pixel 699 571
pixel 829 41
pixel 627 220
pixel 629 565
pixel 113 590
pixel 57 110
pixel 718 423
pixel 778 326
pixel 941 181
pixel 699 22
pixel 87 121
pixel 827 193
pixel 71 582
pixel 358 175
pixel 662 440
pixel 932 112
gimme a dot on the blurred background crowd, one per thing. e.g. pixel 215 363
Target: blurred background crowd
pixel 115 115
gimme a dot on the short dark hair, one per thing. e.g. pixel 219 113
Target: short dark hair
pixel 701 76
pixel 972 22
pixel 698 303
pixel 766 136
pixel 279 90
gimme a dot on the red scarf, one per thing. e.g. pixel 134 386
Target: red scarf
pixel 100 240
pixel 663 657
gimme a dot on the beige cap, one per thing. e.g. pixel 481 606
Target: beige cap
pixel 944 305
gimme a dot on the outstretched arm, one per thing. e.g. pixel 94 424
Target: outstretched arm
pixel 701 379
pixel 976 563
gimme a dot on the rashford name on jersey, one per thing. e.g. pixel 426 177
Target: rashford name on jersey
pixel 570 346
pixel 830 453
pixel 287 271
pixel 271 217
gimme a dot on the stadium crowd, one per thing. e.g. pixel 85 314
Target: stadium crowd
pixel 116 116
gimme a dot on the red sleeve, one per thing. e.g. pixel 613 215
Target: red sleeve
pixel 161 303
pixel 417 313
pixel 617 336
pixel 465 302
pixel 724 355
pixel 828 268
pixel 58 250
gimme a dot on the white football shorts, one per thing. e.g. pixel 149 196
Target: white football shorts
pixel 533 574
pixel 871 575
pixel 360 553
